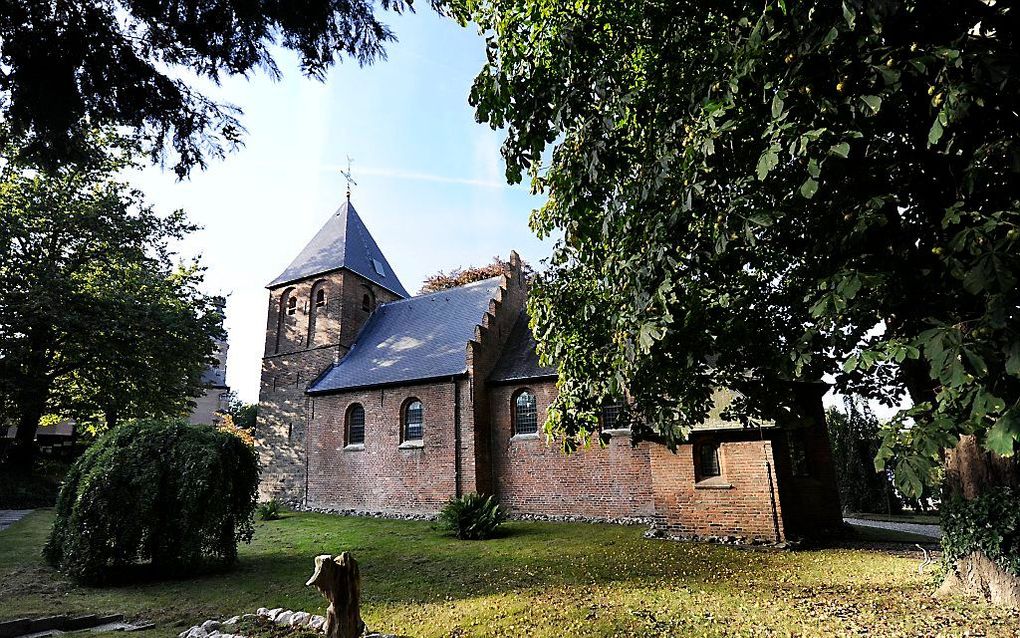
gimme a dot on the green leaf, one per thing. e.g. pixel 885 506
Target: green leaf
pixel 849 16
pixel 1002 436
pixel 841 150
pixel 935 133
pixel 777 106
pixel 813 168
pixel 647 336
pixel 768 160
pixel 809 188
pixel 1013 361
pixel 873 101
pixel 830 37
pixel 976 361
pixel 850 364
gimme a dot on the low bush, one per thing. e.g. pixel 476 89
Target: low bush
pixel 166 494
pixel 472 517
pixel 989 523
pixel 269 511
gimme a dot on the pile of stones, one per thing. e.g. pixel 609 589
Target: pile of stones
pixel 280 616
pixel 214 628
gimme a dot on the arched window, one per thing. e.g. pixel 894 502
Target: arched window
pixel 316 332
pixel 525 413
pixel 355 424
pixel 413 420
pixel 368 300
pixel 708 460
pixel 284 325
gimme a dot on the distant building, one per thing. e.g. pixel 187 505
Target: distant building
pixel 215 400
pixel 376 401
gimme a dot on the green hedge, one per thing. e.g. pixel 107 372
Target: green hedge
pixel 167 494
pixel 989 523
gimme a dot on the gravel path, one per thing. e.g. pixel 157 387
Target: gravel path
pixel 10 517
pixel 913 528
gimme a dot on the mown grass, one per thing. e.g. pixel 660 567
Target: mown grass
pixel 537 579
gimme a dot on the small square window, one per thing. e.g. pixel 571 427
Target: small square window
pixel 610 416
pixel 379 268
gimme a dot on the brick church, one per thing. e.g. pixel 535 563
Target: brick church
pixel 373 400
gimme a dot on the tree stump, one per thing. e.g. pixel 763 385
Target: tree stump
pixel 339 580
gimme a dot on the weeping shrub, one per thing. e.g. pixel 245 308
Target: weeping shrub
pixel 163 493
pixel 472 516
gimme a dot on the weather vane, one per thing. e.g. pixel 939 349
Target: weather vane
pixel 347 176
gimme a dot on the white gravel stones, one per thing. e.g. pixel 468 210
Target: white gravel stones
pixel 281 616
pixel 299 618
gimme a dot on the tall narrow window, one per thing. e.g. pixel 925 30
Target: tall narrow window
pixel 366 302
pixel 355 424
pixel 413 420
pixel 320 298
pixel 292 305
pixel 708 460
pixel 525 413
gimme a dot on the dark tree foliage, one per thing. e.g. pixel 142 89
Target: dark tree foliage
pixel 97 316
pixel 165 496
pixel 460 276
pixel 244 415
pixel 71 66
pixel 854 434
pixel 754 195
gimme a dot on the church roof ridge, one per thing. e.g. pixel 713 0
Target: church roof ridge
pixel 470 284
pixel 343 242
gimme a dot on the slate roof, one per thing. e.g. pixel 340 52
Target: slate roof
pixel 343 242
pixel 423 337
pixel 519 360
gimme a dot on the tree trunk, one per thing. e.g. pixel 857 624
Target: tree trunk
pixel 970 471
pixel 339 580
pixel 31 406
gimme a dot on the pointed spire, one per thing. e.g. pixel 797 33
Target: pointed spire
pixel 343 242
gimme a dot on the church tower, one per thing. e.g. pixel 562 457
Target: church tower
pixel 316 308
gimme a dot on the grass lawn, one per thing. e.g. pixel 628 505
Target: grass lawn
pixel 539 579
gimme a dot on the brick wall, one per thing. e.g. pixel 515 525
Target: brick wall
pixel 299 347
pixel 737 503
pixel 534 477
pixel 483 352
pixel 381 476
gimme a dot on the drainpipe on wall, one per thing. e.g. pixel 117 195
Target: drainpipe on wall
pixel 308 426
pixel 456 437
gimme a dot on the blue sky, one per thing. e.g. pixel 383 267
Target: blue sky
pixel 430 183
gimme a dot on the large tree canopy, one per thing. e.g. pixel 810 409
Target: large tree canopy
pixel 70 66
pixel 751 197
pixel 97 316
